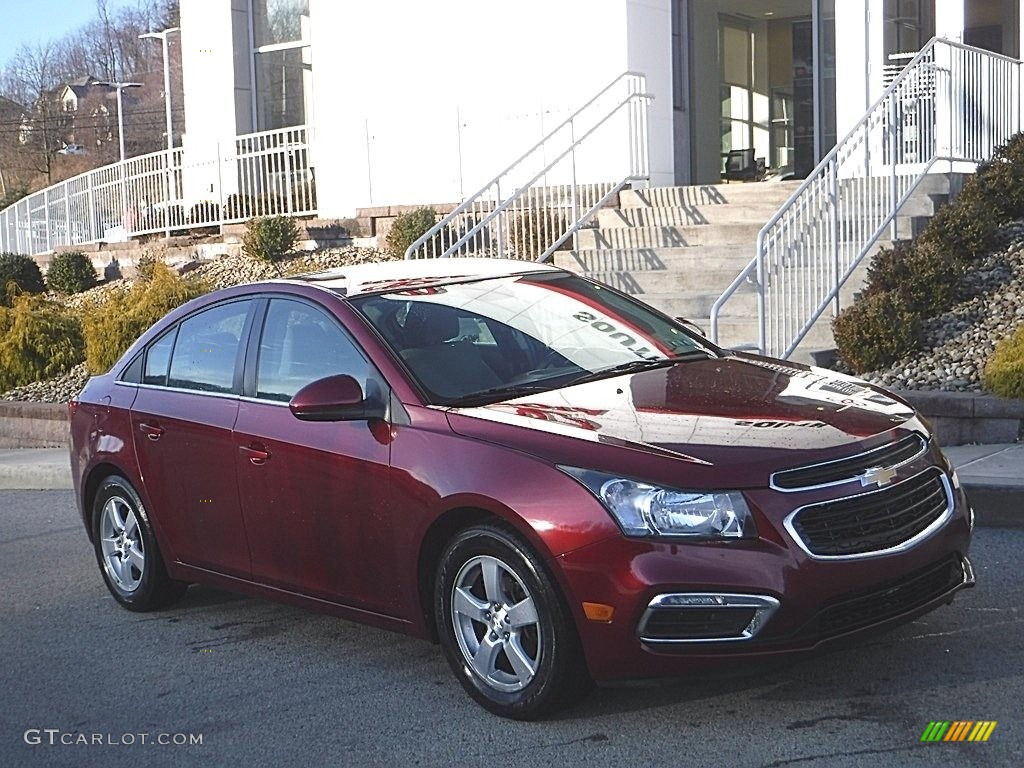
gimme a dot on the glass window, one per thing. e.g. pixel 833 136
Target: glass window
pixel 299 345
pixel 282 80
pixel 206 353
pixel 157 358
pixel 280 21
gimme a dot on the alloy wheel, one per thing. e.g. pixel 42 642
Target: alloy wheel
pixel 496 624
pixel 124 553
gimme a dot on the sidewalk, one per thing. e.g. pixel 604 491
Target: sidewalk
pixel 992 474
pixel 994 478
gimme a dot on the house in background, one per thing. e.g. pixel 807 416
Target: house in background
pixel 88 105
pixel 415 102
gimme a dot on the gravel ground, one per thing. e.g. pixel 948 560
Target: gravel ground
pixel 222 273
pixel 958 344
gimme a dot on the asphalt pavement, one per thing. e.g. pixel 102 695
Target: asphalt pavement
pixel 85 683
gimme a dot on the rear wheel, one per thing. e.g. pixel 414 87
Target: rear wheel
pixel 505 632
pixel 126 549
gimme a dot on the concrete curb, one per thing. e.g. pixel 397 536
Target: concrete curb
pixel 40 469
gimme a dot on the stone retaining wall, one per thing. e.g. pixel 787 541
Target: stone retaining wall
pixel 33 425
pixel 960 418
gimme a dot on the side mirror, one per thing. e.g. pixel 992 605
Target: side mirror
pixel 692 326
pixel 335 398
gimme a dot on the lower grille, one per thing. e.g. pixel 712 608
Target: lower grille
pixel 697 623
pixel 890 599
pixel 872 522
pixel 704 617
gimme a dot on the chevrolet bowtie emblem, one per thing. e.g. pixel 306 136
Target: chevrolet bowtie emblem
pixel 878 476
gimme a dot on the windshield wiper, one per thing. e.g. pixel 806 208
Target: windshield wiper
pixel 497 394
pixel 635 366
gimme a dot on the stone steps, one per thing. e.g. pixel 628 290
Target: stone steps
pixel 669 236
pixel 708 195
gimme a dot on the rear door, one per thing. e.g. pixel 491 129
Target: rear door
pixel 181 424
pixel 313 494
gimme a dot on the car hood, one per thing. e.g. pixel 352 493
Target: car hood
pixel 739 411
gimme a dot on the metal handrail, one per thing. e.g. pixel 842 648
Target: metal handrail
pixel 256 174
pixel 536 215
pixel 920 123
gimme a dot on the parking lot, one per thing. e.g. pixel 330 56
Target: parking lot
pixel 265 684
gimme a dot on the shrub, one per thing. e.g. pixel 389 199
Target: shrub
pixel 1000 181
pixel 23 272
pixel 270 238
pixel 407 228
pixel 875 332
pixel 921 279
pixel 1004 373
pixel 531 232
pixel 115 324
pixel 71 272
pixel 39 339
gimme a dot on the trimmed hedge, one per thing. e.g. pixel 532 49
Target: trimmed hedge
pixel 1004 373
pixel 39 339
pixel 71 272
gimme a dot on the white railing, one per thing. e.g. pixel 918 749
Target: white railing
pixel 538 204
pixel 948 110
pixel 258 174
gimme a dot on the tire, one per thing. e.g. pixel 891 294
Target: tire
pixel 514 661
pixel 126 549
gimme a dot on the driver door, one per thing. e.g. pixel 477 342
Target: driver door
pixel 312 492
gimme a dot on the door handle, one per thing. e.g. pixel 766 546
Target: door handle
pixel 257 456
pixel 151 431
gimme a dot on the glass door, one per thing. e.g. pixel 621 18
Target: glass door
pixel 737 85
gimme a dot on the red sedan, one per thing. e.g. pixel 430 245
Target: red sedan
pixel 554 481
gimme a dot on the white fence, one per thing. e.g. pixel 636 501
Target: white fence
pixel 948 110
pixel 258 174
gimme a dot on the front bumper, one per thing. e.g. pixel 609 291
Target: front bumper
pixel 818 601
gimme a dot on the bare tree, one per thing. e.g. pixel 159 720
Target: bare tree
pixel 106 48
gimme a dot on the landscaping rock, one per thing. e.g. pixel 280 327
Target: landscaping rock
pixel 957 344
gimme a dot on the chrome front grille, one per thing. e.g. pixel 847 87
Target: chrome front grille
pixel 886 520
pixel 850 468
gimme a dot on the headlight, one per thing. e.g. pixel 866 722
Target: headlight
pixel 642 509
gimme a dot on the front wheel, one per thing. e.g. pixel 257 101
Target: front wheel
pixel 126 549
pixel 507 636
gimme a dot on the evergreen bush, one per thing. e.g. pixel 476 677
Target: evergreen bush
pixel 115 324
pixel 71 272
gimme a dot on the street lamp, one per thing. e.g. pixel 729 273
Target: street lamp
pixel 162 36
pixel 120 111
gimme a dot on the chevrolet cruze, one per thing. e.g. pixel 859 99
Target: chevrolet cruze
pixel 552 480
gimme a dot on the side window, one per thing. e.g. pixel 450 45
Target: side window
pixel 158 356
pixel 206 351
pixel 299 345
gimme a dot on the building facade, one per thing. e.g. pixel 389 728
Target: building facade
pixel 413 102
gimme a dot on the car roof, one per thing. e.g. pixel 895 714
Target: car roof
pixel 392 275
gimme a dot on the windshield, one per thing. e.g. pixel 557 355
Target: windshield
pixel 494 339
